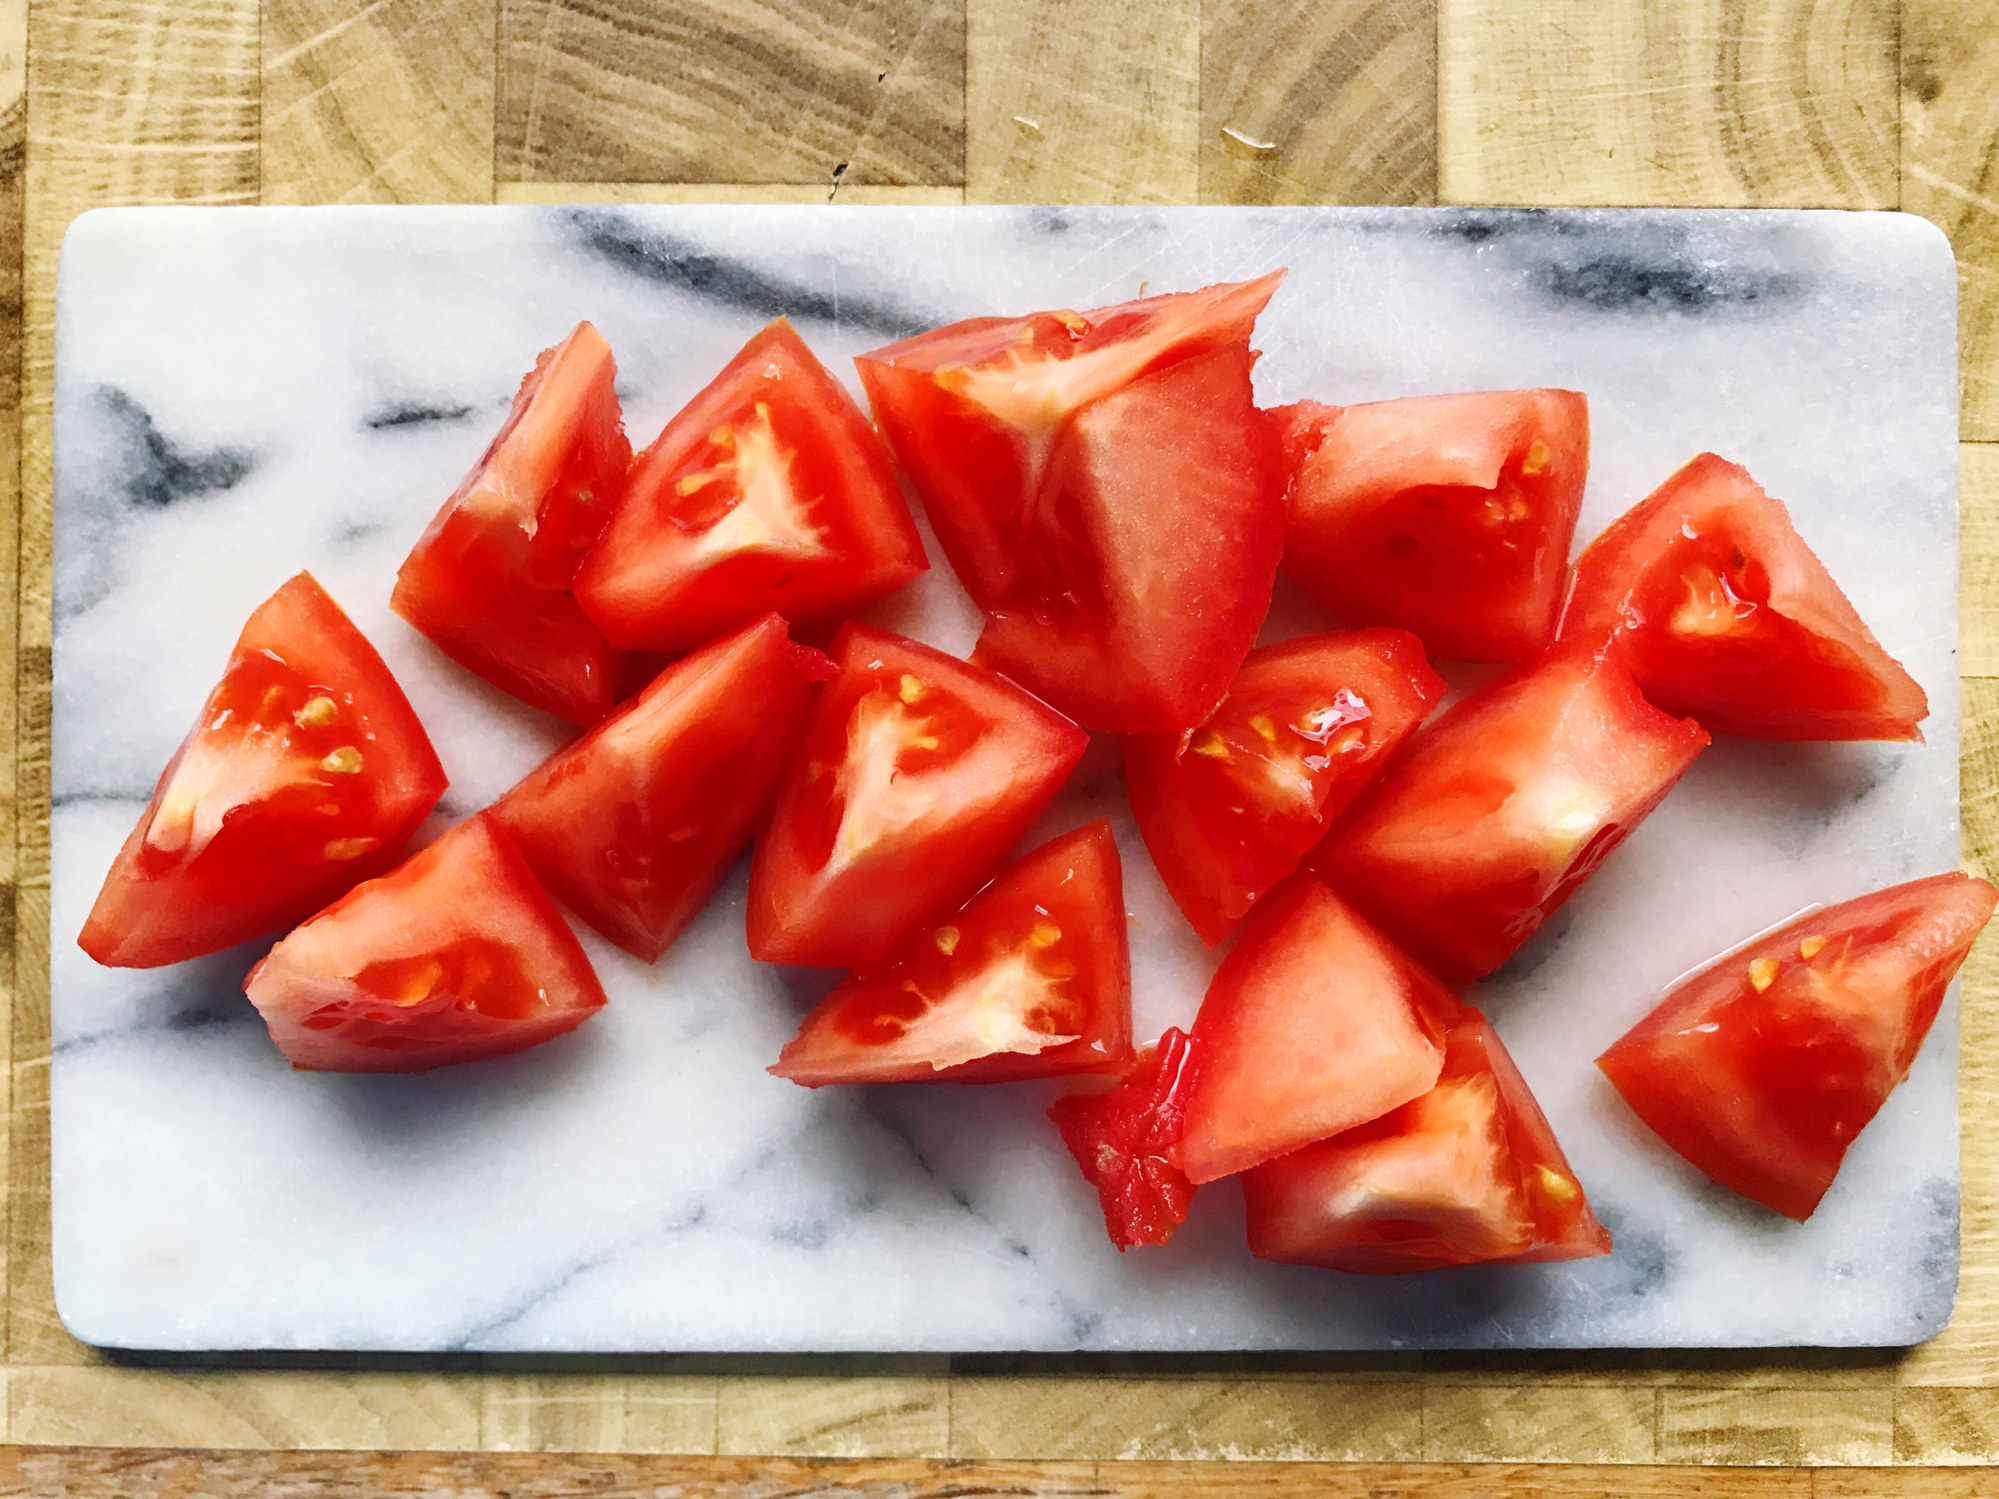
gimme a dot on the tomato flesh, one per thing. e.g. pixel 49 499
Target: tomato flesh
pixel 633 825
pixel 1032 978
pixel 1763 1067
pixel 1125 1140
pixel 918 773
pixel 1497 812
pixel 769 491
pixel 1708 595
pixel 1450 516
pixel 1469 1173
pixel 305 774
pixel 1313 1024
pixel 456 956
pixel 489 580
pixel 1105 488
pixel 1228 809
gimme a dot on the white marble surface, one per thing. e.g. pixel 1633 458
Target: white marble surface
pixel 242 393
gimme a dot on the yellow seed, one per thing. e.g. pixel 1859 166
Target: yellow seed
pixel 681 835
pixel 274 699
pixel 1556 1185
pixel 317 713
pixel 1045 934
pixel 1346 739
pixel 1263 726
pixel 1809 948
pixel 1762 973
pixel 1517 510
pixel 418 986
pixel 814 771
pixel 1108 1158
pixel 926 741
pixel 345 761
pixel 946 938
pixel 763 412
pixel 351 848
pixel 688 483
pixel 1075 322
pixel 584 496
pixel 911 688
pixel 328 809
pixel 1536 461
pixel 1210 744
pixel 723 437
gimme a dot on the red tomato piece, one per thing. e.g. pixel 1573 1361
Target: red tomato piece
pixel 1501 808
pixel 1314 1023
pixel 1447 515
pixel 633 825
pixel 1229 808
pixel 1763 1067
pixel 488 581
pixel 305 774
pixel 919 772
pixel 1106 489
pixel 1125 1139
pixel 454 957
pixel 769 491
pixel 1031 979
pixel 1467 1174
pixel 1712 600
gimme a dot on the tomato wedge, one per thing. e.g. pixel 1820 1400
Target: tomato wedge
pixel 633 825
pixel 1229 808
pixel 919 772
pixel 1467 1174
pixel 1501 808
pixel 488 581
pixel 454 957
pixel 1126 1138
pixel 1763 1067
pixel 1313 1024
pixel 1031 979
pixel 305 774
pixel 1106 489
pixel 1709 596
pixel 1447 515
pixel 769 491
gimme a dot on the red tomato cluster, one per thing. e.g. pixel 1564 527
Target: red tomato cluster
pixel 1112 498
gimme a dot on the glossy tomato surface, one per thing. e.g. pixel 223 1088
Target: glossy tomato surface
pixel 1450 516
pixel 305 774
pixel 633 825
pixel 1763 1067
pixel 1314 1023
pixel 1228 809
pixel 1467 1174
pixel 456 956
pixel 1126 1140
pixel 1708 595
pixel 768 491
pixel 489 580
pixel 918 773
pixel 1496 812
pixel 1106 489
pixel 1031 979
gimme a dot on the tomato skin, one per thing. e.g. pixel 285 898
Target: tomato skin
pixel 1469 1173
pixel 633 825
pixel 456 956
pixel 1450 516
pixel 247 794
pixel 1042 946
pixel 1229 808
pixel 874 832
pixel 1708 595
pixel 1106 490
pixel 821 531
pixel 489 579
pixel 1495 813
pixel 1313 1024
pixel 1764 1088
pixel 1125 1140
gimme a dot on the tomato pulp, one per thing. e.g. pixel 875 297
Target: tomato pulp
pixel 1127 1140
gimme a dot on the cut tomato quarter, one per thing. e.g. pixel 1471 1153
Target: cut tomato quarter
pixel 305 774
pixel 456 956
pixel 1127 1139
pixel 1031 979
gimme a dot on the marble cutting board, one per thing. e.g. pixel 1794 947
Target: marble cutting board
pixel 243 393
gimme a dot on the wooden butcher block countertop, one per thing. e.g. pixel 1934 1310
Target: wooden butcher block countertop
pixel 1833 103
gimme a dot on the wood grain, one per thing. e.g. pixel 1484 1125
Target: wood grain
pixel 598 1413
pixel 378 101
pixel 731 91
pixel 1764 103
pixel 1790 1427
pixel 1319 101
pixel 722 192
pixel 856 1416
pixel 1539 1423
